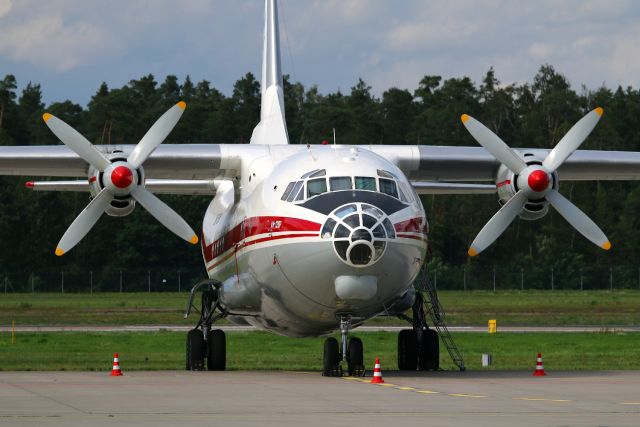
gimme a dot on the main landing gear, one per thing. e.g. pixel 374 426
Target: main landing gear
pixel 351 351
pixel 418 348
pixel 203 343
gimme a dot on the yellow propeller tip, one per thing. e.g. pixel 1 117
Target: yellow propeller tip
pixel 464 118
pixel 599 111
pixel 606 246
pixel 46 116
pixel 59 252
pixel 182 104
pixel 472 252
pixel 194 239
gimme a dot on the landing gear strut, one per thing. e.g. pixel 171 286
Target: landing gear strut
pixel 350 351
pixel 418 348
pixel 203 342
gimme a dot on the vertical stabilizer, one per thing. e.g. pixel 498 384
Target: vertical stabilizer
pixel 272 128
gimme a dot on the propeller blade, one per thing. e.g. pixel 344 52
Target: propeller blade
pixel 572 140
pixel 578 219
pixel 498 223
pixel 493 144
pixel 78 143
pixel 84 222
pixel 156 134
pixel 163 213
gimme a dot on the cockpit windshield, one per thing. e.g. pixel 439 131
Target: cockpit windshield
pixel 316 182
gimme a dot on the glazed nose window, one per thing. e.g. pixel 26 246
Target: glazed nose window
pixel 359 232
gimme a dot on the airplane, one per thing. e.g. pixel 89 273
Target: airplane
pixel 305 240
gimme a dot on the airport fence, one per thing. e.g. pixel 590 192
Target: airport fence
pixel 444 278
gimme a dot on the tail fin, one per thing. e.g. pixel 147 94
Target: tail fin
pixel 272 128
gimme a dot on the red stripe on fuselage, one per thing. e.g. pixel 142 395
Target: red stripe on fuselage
pixel 255 226
pixel 413 225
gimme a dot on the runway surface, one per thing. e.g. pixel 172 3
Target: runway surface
pixel 306 398
pixel 231 328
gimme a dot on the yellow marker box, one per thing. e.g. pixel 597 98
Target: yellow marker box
pixel 493 326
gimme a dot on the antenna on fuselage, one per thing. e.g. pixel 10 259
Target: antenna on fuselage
pixel 334 136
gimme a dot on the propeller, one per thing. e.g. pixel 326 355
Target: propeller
pixel 120 178
pixel 534 181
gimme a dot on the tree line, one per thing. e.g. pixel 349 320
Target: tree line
pixel 534 114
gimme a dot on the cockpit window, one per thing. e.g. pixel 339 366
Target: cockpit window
pixel 388 186
pixel 316 186
pixel 296 189
pixel 338 183
pixel 365 183
pixel 287 191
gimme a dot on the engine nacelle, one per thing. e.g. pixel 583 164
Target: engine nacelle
pixel 507 186
pixel 120 205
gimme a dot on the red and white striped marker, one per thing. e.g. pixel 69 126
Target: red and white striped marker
pixel 377 373
pixel 539 372
pixel 115 372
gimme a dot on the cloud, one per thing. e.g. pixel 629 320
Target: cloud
pixel 47 41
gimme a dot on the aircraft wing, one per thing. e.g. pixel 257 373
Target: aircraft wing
pixel 195 168
pixel 471 164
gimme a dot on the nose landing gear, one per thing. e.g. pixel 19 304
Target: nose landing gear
pixel 351 351
pixel 203 342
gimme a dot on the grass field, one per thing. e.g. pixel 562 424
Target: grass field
pixel 261 350
pixel 539 308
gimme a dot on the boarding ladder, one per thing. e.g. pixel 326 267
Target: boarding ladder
pixel 434 309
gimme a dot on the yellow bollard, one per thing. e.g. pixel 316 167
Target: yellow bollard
pixel 493 326
pixel 13 332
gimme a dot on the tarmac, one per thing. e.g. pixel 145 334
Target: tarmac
pixel 234 398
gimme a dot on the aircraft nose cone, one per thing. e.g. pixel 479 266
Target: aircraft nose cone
pixel 122 177
pixel 538 180
pixel 360 233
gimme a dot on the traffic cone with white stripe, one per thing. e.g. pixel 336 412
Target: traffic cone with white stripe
pixel 539 372
pixel 377 373
pixel 116 372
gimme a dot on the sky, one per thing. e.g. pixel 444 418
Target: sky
pixel 71 46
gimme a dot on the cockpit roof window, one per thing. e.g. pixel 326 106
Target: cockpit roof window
pixel 321 172
pixel 386 174
pixel 308 174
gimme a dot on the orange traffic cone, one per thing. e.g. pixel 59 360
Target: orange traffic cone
pixel 539 372
pixel 115 372
pixel 377 373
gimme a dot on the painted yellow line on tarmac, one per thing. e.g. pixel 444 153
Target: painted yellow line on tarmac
pixel 407 388
pixel 630 403
pixel 540 399
pixel 465 395
pixel 386 384
pixel 427 392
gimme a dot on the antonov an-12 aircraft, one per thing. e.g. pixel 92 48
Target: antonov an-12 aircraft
pixel 304 240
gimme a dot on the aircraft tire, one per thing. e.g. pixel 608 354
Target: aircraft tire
pixel 195 350
pixel 216 350
pixel 330 358
pixel 429 357
pixel 407 350
pixel 355 357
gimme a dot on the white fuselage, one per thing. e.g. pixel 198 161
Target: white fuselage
pixel 300 241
